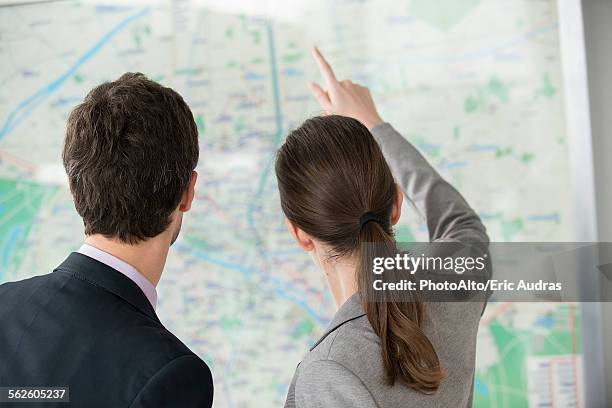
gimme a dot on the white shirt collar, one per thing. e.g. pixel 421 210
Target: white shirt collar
pixel 125 268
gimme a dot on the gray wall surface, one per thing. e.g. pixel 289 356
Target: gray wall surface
pixel 597 15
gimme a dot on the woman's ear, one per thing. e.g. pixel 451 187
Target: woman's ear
pixel 397 205
pixel 303 239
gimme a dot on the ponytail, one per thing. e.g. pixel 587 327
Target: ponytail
pixel 407 353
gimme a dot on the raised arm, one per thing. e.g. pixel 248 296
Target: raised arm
pixel 449 217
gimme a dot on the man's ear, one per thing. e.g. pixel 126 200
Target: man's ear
pixel 397 205
pixel 303 239
pixel 189 193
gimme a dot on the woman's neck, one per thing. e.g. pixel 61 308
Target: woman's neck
pixel 341 279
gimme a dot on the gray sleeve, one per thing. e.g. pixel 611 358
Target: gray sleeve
pixel 449 217
pixel 290 401
pixel 326 383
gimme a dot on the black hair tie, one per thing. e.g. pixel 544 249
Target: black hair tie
pixel 367 217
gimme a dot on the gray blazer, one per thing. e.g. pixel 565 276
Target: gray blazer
pixel 344 368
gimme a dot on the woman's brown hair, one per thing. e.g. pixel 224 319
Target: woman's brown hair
pixel 330 173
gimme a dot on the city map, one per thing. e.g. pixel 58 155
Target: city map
pixel 475 85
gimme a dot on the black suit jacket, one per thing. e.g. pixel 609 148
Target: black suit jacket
pixel 88 327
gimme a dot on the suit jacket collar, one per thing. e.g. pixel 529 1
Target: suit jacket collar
pixel 350 310
pixel 98 274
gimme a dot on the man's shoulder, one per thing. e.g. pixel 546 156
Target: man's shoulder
pixel 93 314
pixel 183 381
pixel 16 291
pixel 152 343
pixel 95 332
pixel 171 373
pixel 23 283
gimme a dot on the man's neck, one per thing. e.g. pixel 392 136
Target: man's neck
pixel 148 257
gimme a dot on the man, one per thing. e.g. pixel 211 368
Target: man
pixel 130 152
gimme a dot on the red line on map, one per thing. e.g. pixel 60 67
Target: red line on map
pixel 500 310
pixel 4 155
pixel 551 386
pixel 572 328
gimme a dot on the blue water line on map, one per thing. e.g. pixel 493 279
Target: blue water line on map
pixel 278 123
pixel 33 100
pixel 266 172
pixel 8 249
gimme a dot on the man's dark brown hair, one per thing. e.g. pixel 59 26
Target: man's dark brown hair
pixel 129 152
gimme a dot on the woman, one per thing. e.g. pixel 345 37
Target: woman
pixel 338 191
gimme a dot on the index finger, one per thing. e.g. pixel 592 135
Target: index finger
pixel 324 67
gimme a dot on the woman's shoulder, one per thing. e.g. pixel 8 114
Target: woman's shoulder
pixel 353 345
pixel 349 359
pixel 332 373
